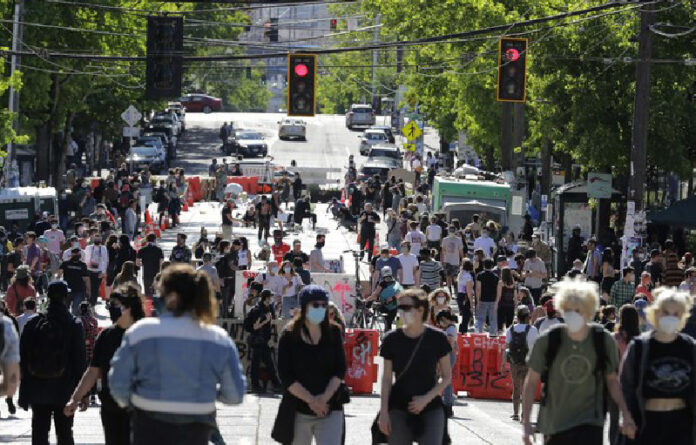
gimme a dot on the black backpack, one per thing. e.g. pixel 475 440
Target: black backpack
pixel 518 349
pixel 48 348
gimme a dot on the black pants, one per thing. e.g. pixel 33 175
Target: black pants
pixel 367 239
pixel 506 315
pixel 669 427
pixel 116 425
pixel 299 219
pixel 264 226
pixel 536 294
pixel 465 312
pixel 148 430
pixel 41 425
pixel 389 316
pixel 262 353
pixel 580 435
pixel 95 282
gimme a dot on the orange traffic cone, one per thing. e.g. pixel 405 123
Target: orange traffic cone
pixel 102 289
pixel 148 218
pixel 375 247
pixel 186 207
pixel 343 196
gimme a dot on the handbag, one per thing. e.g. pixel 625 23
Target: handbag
pixel 341 396
pixel 377 435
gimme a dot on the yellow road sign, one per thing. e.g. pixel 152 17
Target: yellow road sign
pixel 412 131
pixel 410 147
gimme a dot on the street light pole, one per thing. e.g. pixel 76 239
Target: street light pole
pixel 14 94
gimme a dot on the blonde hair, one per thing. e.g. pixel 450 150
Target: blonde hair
pixel 577 292
pixel 440 290
pixel 663 297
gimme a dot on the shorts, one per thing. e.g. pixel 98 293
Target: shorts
pixel 451 270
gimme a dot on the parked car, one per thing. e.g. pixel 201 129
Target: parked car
pixel 167 118
pixel 201 102
pixel 360 114
pixel 151 141
pixel 247 143
pixel 171 139
pixel 385 152
pixel 141 156
pixel 370 138
pixel 387 130
pixel 292 128
pixel 380 167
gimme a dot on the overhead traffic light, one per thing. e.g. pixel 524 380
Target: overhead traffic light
pixel 272 29
pixel 302 73
pixel 165 44
pixel 512 69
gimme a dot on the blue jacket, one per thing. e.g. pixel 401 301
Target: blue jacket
pixel 174 365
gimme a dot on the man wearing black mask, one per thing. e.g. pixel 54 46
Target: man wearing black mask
pixel 316 257
pixel 368 219
pixel 75 273
pixel 258 324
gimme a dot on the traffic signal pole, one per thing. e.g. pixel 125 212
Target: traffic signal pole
pixel 641 109
pixel 13 104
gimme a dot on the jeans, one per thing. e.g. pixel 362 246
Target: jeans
pixel 258 354
pixel 116 425
pixel 432 431
pixel 483 310
pixel 77 298
pixel 95 282
pixel 148 430
pixel 448 396
pixel 518 373
pixel 325 430
pixel 41 425
pixel 289 303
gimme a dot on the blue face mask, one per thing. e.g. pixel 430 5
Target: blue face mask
pixel 316 315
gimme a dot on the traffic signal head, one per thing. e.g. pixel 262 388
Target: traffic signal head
pixel 272 29
pixel 302 73
pixel 334 24
pixel 165 44
pixel 512 69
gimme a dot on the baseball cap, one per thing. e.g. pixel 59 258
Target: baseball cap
pixel 386 272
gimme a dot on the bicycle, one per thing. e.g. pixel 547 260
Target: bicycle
pixel 367 316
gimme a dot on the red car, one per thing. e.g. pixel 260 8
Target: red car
pixel 201 102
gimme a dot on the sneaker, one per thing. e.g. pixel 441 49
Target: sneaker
pixel 11 406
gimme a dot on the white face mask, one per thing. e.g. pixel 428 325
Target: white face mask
pixel 407 317
pixel 440 300
pixel 574 321
pixel 668 324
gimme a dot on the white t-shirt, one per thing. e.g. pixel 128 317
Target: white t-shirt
pixel 450 249
pixel 422 207
pixel 485 243
pixel 532 335
pixel 462 280
pixel 416 163
pixel 434 232
pixel 547 323
pixel 417 240
pixel 271 282
pixel 534 265
pixel 55 239
pixel 408 263
pixel 294 289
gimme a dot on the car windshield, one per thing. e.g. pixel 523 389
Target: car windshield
pixel 371 171
pixel 380 152
pixel 362 110
pixel 248 135
pixel 161 120
pixel 375 136
pixel 143 151
pixel 149 142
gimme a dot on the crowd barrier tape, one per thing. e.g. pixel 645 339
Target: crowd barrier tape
pixel 361 346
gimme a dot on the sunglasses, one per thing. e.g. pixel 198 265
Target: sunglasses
pixel 317 305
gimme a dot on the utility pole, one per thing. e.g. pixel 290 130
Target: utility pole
pixel 376 39
pixel 641 109
pixel 506 135
pixel 14 94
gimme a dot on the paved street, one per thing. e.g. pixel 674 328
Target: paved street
pixel 329 142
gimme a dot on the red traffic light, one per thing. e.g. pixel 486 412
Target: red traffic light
pixel 512 54
pixel 301 70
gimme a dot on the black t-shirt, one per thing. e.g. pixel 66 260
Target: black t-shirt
pixel 73 273
pixel 421 376
pixel 105 347
pixel 655 270
pixel 14 258
pixel 290 256
pixel 150 256
pixel 489 285
pixel 226 215
pixel 669 371
pixel 367 226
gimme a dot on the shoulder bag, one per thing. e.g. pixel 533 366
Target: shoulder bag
pixel 377 435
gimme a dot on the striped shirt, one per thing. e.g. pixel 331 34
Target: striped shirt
pixel 430 273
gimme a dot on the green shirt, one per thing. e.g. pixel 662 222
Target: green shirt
pixel 621 293
pixel 572 399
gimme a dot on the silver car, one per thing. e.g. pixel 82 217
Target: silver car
pixel 292 128
pixel 146 156
pixel 360 114
pixel 370 138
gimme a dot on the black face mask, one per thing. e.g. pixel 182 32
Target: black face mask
pixel 321 244
pixel 115 313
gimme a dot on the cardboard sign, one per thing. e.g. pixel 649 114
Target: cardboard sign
pixel 408 177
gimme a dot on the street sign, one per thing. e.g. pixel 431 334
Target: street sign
pixel 412 131
pixel 131 116
pixel 599 185
pixel 131 132
pixel 410 147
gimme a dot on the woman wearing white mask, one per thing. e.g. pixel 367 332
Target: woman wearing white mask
pixel 411 406
pixel 312 365
pixel 439 300
pixel 657 375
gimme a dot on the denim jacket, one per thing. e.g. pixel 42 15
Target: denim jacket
pixel 176 365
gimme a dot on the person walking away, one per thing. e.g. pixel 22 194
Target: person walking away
pixel 487 298
pixel 368 219
pixel 451 255
pixel 130 220
pixel 608 274
pixel 312 366
pixel 20 289
pixel 75 273
pixel 411 409
pixel 465 294
pixel 9 361
pixel 433 234
pixel 169 405
pixel 534 274
pixel 386 292
pixel 575 243
pixel 97 259
pixel 258 324
pixel 579 361
pixel 90 326
pixel 447 321
pixel 506 296
pixel 52 359
pixel 29 313
pixel 519 339
pixel 393 229
pixel 431 271
pixel 150 258
pixel 125 308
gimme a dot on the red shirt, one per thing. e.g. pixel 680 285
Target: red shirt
pixel 279 251
pixel 16 294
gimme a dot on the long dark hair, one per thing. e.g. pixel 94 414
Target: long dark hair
pixel 629 322
pixel 124 243
pixel 129 297
pixel 193 291
pixel 608 256
pixel 506 276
